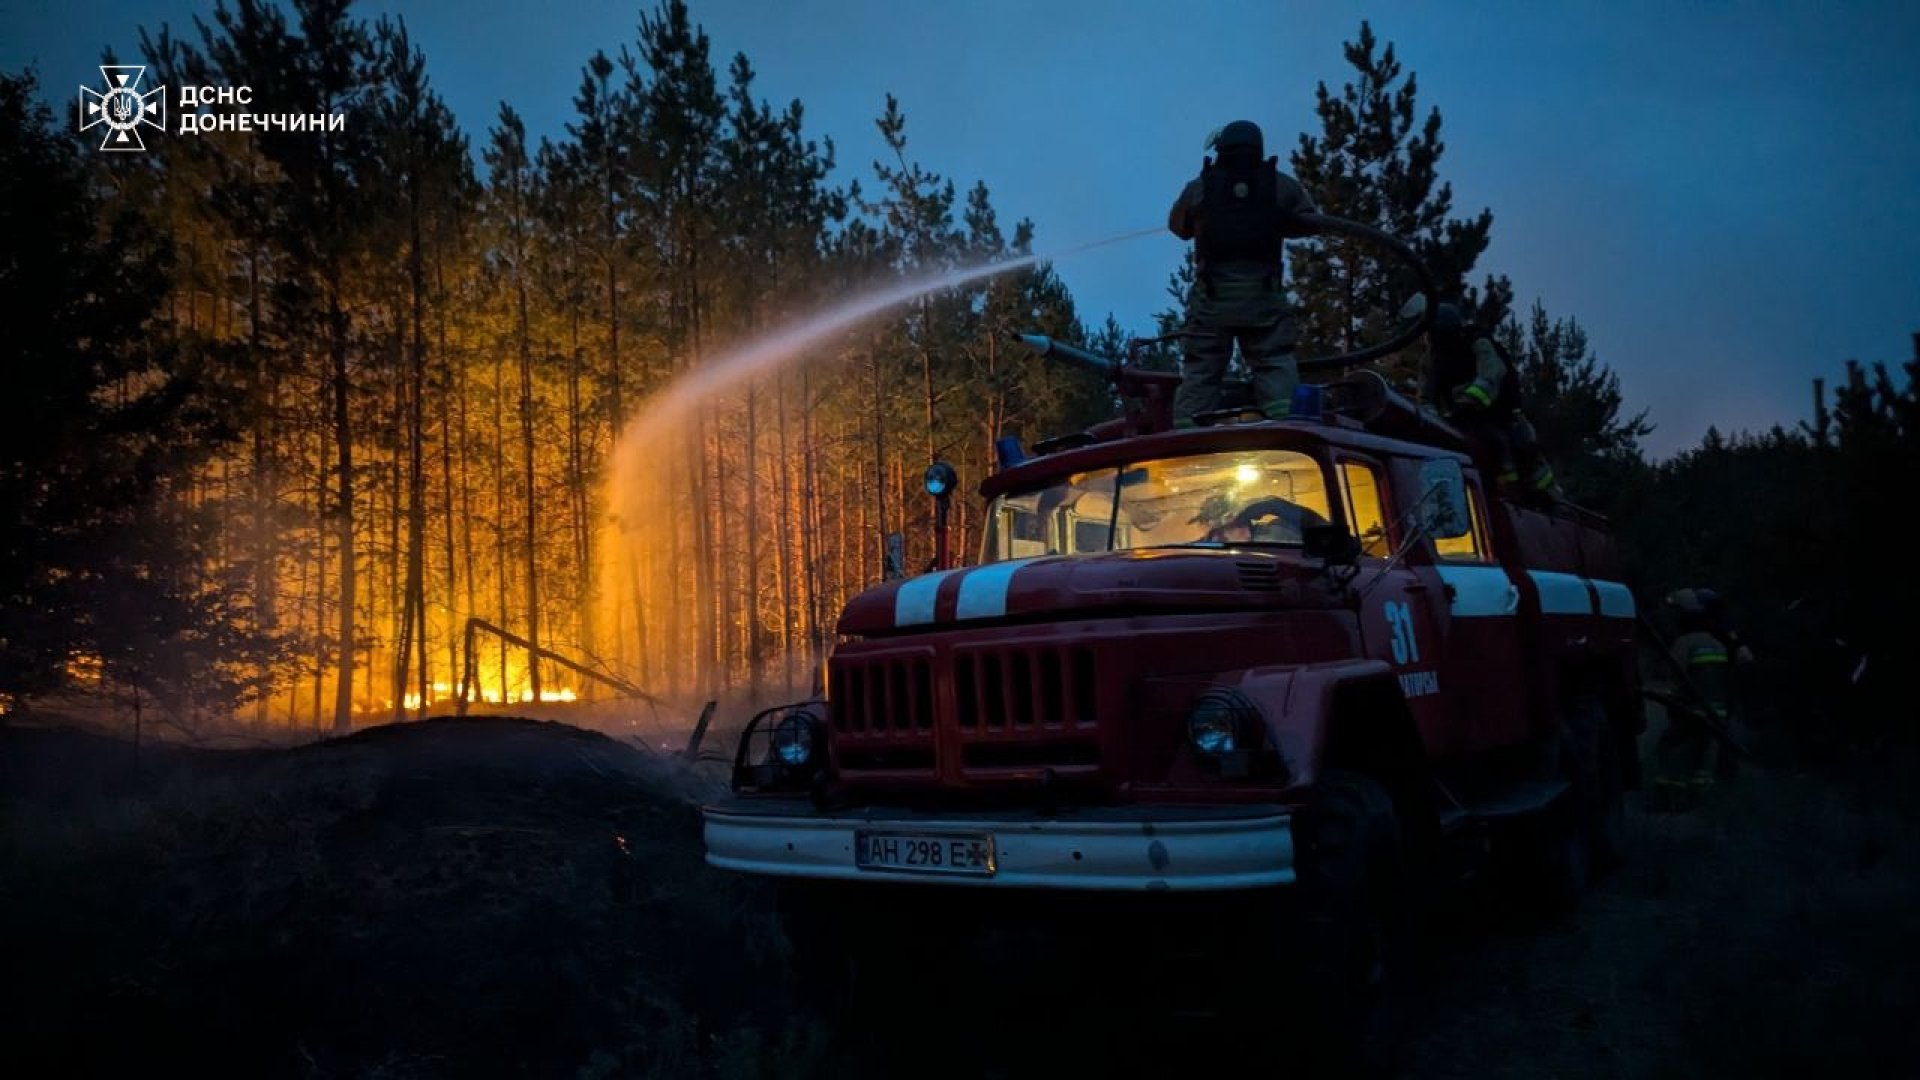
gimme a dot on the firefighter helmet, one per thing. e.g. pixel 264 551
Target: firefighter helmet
pixel 1241 135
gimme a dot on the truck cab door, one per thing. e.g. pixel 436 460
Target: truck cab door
pixel 1482 669
pixel 1400 622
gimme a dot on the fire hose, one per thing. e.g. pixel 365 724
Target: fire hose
pixel 1404 252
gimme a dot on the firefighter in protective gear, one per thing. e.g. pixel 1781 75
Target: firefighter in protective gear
pixel 1477 386
pixel 1238 213
pixel 1706 649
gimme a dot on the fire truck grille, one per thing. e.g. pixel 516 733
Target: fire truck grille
pixel 1013 709
pixel 890 695
pixel 1259 576
pixel 1014 689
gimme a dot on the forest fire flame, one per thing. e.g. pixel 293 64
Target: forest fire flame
pixel 492 693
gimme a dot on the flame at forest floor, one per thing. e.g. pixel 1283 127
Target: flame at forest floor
pixel 484 692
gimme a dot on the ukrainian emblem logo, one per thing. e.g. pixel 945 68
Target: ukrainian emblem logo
pixel 123 108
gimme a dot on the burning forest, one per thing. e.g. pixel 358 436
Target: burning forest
pixel 412 356
pixel 1328 657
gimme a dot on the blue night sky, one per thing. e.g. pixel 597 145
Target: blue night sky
pixel 1726 195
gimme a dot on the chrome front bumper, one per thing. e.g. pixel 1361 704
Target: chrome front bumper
pixel 1116 849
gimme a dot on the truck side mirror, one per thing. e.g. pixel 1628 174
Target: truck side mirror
pixel 1443 512
pixel 1330 543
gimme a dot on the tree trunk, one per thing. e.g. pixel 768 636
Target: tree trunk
pixel 751 478
pixel 386 558
pixel 580 500
pixel 415 604
pixel 877 538
pixel 500 576
pixel 324 460
pixel 616 408
pixel 812 518
pixel 266 531
pixel 530 547
pixel 343 444
pixel 452 377
pixel 783 535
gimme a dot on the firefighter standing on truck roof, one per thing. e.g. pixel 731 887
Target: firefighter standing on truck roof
pixel 1238 212
pixel 1477 386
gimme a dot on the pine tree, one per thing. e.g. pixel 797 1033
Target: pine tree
pixel 1375 163
pixel 914 209
pixel 319 64
pixel 1575 404
pixel 101 550
pixel 426 163
pixel 513 185
pixel 215 196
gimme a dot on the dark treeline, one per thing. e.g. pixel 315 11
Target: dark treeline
pixel 287 409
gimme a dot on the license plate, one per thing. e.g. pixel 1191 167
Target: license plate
pixel 967 854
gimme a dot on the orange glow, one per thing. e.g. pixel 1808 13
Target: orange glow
pixel 488 691
pixel 85 668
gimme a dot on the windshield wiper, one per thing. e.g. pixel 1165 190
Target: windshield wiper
pixel 1219 545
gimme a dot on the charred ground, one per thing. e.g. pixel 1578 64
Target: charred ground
pixel 450 898
pixel 510 897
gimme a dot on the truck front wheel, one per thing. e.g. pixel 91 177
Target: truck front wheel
pixel 829 928
pixel 1353 926
pixel 1578 838
pixel 1594 767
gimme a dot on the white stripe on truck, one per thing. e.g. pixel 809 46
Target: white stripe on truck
pixel 1477 591
pixel 913 600
pixel 1562 594
pixel 983 592
pixel 1480 591
pixel 1616 600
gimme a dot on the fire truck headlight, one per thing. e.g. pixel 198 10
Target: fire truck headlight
pixel 940 479
pixel 1222 721
pixel 792 740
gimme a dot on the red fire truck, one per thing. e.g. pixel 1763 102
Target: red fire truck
pixel 1238 657
pixel 1320 657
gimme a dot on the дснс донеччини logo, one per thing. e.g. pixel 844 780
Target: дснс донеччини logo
pixel 123 108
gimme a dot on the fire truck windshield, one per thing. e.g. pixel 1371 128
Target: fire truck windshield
pixel 1238 497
